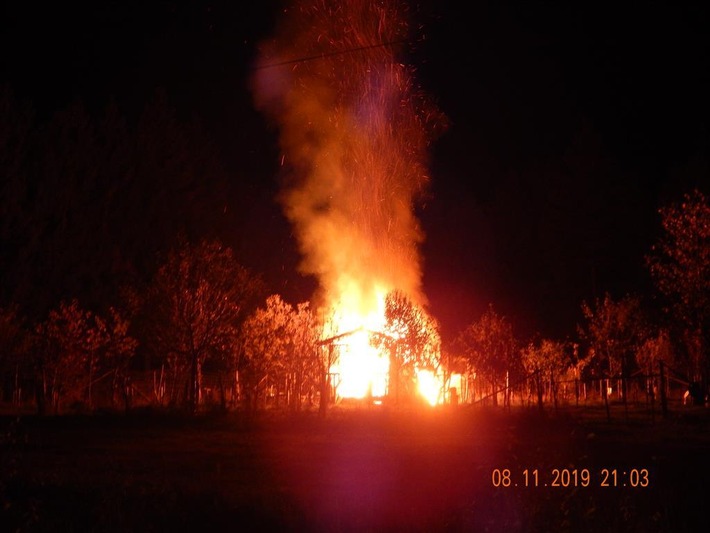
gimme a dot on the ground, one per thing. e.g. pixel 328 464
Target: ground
pixel 360 469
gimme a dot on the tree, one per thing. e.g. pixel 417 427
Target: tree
pixel 305 356
pixel 116 352
pixel 280 343
pixel 15 344
pixel 490 347
pixel 547 360
pixel 680 266
pixel 201 293
pixel 263 338
pixel 614 330
pixel 654 349
pixel 412 337
pixel 67 356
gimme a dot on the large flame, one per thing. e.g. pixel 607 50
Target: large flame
pixel 361 368
pixel 354 132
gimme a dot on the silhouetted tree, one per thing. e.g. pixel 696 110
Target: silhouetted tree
pixel 490 347
pixel 15 352
pixel 680 265
pixel 200 294
pixel 547 360
pixel 412 338
pixel 654 349
pixel 614 330
pixel 66 355
pixel 116 352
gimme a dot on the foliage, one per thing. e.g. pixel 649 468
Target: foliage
pixel 117 351
pixel 490 347
pixel 680 266
pixel 411 332
pixel 654 349
pixel 547 361
pixel 614 331
pixel 15 347
pixel 548 357
pixel 74 344
pixel 412 337
pixel 200 294
pixel 280 342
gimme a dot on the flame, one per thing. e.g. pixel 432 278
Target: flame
pixel 361 368
pixel 429 386
pixel 354 132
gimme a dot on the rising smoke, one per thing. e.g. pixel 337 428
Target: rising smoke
pixel 354 133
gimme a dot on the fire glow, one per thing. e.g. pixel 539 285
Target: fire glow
pixel 362 367
pixel 354 133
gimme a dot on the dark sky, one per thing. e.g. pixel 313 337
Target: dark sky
pixel 570 125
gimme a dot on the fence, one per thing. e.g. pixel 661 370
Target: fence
pixel 654 394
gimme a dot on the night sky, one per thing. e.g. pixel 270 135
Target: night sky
pixel 569 127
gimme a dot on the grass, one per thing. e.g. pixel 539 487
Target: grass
pixel 356 470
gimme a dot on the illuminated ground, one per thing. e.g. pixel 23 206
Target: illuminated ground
pixel 357 470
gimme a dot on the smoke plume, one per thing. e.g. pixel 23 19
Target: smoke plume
pixel 354 133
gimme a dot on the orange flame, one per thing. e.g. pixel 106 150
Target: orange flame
pixel 354 131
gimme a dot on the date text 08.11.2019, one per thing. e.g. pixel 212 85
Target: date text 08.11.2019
pixel 571 477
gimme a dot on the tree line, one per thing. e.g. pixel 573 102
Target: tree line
pixel 619 336
pixel 202 310
pixel 114 259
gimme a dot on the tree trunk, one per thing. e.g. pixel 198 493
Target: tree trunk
pixel 127 393
pixel 41 395
pixel 297 391
pixel 195 390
